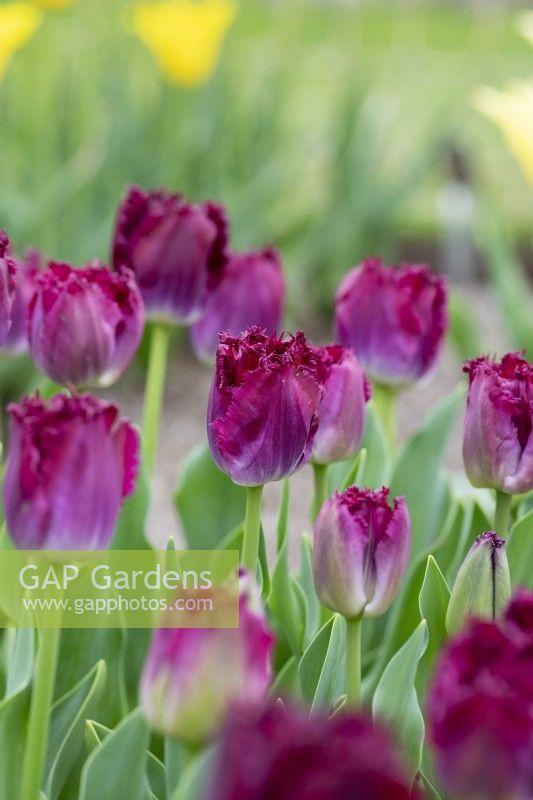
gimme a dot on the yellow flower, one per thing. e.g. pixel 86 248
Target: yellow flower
pixel 511 110
pixel 18 22
pixel 184 36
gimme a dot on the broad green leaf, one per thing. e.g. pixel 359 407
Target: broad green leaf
pixel 332 682
pixel 286 683
pixel 175 759
pixel 520 552
pixel 209 504
pixel 312 619
pixel 283 602
pixel 14 711
pixel 20 667
pixel 433 602
pixel 193 782
pixel 312 661
pixel 130 532
pixel 395 700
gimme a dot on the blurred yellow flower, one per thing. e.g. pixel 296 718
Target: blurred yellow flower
pixel 55 4
pixel 185 37
pixel 511 110
pixel 18 21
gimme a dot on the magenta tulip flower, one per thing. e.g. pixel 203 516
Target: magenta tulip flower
pixel 342 410
pixel 70 464
pixel 84 324
pixel 284 753
pixel 194 675
pixel 26 273
pixel 497 440
pixel 250 292
pixel 263 408
pixel 7 286
pixel 361 551
pixel 177 251
pixel 394 319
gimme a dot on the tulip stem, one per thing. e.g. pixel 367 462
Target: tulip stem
pixel 40 714
pixel 502 516
pixel 252 527
pixel 353 662
pixel 385 404
pixel 155 385
pixel 320 472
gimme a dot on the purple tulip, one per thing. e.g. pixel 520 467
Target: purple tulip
pixel 70 464
pixel 263 407
pixel 26 273
pixel 7 286
pixel 177 251
pixel 84 324
pixel 250 292
pixel 481 708
pixel 497 440
pixel 284 753
pixel 342 410
pixel 361 551
pixel 394 319
pixel 194 675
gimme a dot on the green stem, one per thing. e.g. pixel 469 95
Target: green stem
pixel 39 722
pixel 155 385
pixel 252 526
pixel 353 662
pixel 502 517
pixel 385 405
pixel 320 472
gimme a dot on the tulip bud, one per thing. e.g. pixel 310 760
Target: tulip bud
pixel 263 407
pixel 394 319
pixel 7 286
pixel 361 551
pixel 193 675
pixel 26 273
pixel 483 584
pixel 250 292
pixel 70 464
pixel 84 324
pixel 342 410
pixel 497 440
pixel 177 251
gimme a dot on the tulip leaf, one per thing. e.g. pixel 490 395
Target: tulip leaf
pixel 433 601
pixel 131 527
pixel 14 711
pixel 283 602
pixel 117 768
pixel 193 781
pixel 520 552
pixel 312 661
pixel 313 609
pixel 395 700
pixel 208 503
pixel 286 683
pixel 322 668
pixel 20 667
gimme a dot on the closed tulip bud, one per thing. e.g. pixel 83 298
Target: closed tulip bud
pixel 27 270
pixel 7 286
pixel 483 584
pixel 192 676
pixel 70 464
pixel 84 324
pixel 394 319
pixel 342 410
pixel 361 551
pixel 497 440
pixel 177 251
pixel 263 407
pixel 250 292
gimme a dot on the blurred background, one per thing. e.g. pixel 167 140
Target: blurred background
pixel 334 130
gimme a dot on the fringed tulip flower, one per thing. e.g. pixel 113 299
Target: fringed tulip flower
pixel 250 292
pixel 481 708
pixel 194 675
pixel 26 273
pixel 263 407
pixel 284 753
pixel 342 410
pixel 497 440
pixel 7 286
pixel 177 251
pixel 361 550
pixel 394 319
pixel 70 464
pixel 84 324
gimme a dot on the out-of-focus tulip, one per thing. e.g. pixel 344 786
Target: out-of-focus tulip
pixel 184 36
pixel 70 463
pixel 394 319
pixel 84 324
pixel 263 408
pixel 18 23
pixel 482 587
pixel 342 410
pixel 7 287
pixel 481 709
pixel 194 675
pixel 26 272
pixel 250 293
pixel 497 439
pixel 284 753
pixel 177 251
pixel 361 551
